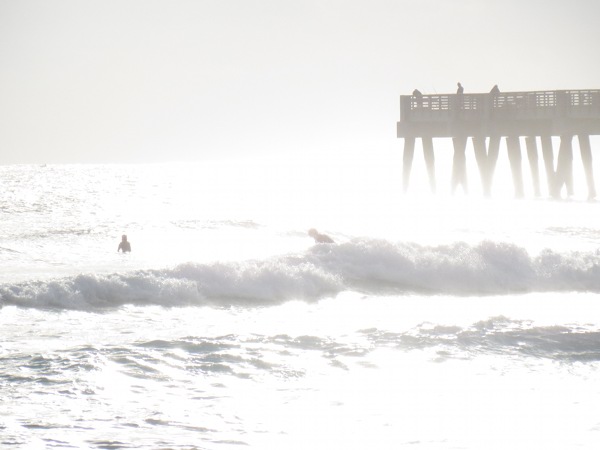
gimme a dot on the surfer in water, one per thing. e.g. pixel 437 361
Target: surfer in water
pixel 320 238
pixel 124 245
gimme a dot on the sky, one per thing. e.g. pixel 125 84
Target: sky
pixel 90 81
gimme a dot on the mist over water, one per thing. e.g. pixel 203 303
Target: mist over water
pixel 432 322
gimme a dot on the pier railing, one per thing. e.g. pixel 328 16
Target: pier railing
pixel 504 105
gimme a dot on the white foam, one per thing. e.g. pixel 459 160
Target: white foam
pixel 375 267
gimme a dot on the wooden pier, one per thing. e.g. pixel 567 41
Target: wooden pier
pixel 487 118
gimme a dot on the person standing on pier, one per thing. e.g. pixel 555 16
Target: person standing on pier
pixel 417 94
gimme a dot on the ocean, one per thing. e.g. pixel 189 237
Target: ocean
pixel 432 322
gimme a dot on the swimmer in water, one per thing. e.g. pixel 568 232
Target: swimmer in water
pixel 124 245
pixel 320 238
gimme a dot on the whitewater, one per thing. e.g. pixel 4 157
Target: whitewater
pixel 432 322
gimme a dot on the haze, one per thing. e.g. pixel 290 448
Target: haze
pixel 149 80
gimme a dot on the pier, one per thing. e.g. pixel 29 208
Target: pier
pixel 536 116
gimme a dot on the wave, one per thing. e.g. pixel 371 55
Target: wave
pixel 373 267
pixel 496 335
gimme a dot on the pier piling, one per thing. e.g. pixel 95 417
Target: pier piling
pixel 481 156
pixel 407 159
pixel 586 157
pixel 548 155
pixel 459 164
pixel 429 161
pixel 514 156
pixel 564 167
pixel 532 156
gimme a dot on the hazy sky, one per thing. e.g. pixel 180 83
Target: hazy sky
pixel 163 80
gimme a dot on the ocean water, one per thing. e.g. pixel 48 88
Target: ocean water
pixel 432 323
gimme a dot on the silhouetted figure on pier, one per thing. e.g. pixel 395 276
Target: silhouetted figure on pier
pixel 417 94
pixel 320 238
pixel 460 89
pixel 495 90
pixel 124 245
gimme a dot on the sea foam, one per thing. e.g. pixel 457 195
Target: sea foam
pixel 369 266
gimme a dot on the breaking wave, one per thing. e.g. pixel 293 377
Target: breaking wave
pixel 373 267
